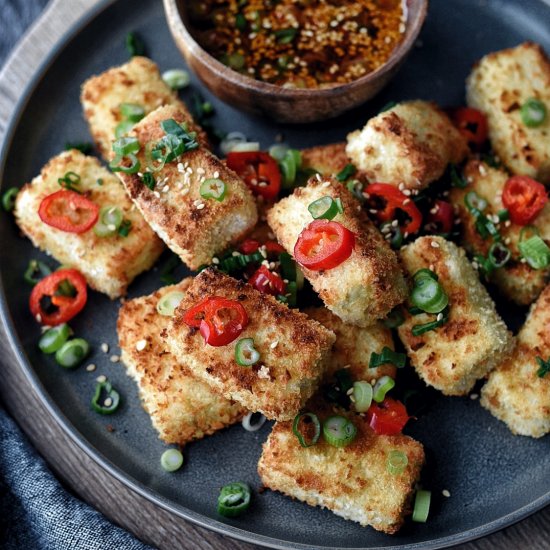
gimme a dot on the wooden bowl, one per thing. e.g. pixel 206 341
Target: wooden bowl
pixel 289 105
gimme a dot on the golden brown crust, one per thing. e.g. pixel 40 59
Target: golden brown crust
pixel 409 145
pixel 193 227
pixel 293 349
pixel 139 82
pixel 367 285
pixel 108 263
pixel 181 407
pixel 498 86
pixel 517 280
pixel 464 349
pixel 353 482
pixel 514 392
pixel 328 160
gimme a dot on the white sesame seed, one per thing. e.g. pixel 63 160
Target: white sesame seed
pixel 38 317
pixel 91 367
pixel 446 493
pixel 474 396
pixel 273 345
pixel 216 174
pixel 235 254
pixel 156 194
pixel 407 192
pixel 101 378
pixel 215 261
pixel 318 176
pixel 108 402
pixel 105 348
pixel 326 184
pixel 200 206
pixel 166 188
pixel 432 267
pixel 141 345
pixel 439 316
pixel 114 358
pixel 434 244
pixel 350 391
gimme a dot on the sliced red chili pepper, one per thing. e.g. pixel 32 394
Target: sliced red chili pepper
pixel 219 320
pixel 68 211
pixel 61 308
pixel 267 282
pixel 472 124
pixel 259 171
pixel 395 200
pixel 388 417
pixel 323 244
pixel 524 198
pixel 443 216
pixel 249 246
pixel 272 247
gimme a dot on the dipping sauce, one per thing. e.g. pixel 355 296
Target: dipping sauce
pixel 299 43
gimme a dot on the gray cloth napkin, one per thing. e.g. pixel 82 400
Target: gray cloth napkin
pixel 36 512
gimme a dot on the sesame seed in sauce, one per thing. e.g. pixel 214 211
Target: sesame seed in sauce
pixel 101 378
pixel 105 348
pixel 114 358
pixel 91 367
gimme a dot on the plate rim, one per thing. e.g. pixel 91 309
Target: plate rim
pixel 48 59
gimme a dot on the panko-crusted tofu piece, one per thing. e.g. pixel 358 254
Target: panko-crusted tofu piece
pixel 109 264
pixel 354 346
pixel 181 407
pixel 473 340
pixel 409 145
pixel 327 160
pixel 515 393
pixel 498 86
pixel 353 481
pixel 294 349
pixel 517 280
pixel 195 228
pixel 367 285
pixel 138 82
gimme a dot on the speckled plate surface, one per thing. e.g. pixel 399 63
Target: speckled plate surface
pixel 494 478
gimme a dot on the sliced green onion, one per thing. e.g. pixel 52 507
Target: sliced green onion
pixel 54 338
pixel 124 228
pixel 533 113
pixel 474 202
pixel 338 431
pixel 245 147
pixel 169 302
pixel 246 354
pixel 307 428
pixel 346 172
pixel 234 499
pixel 8 199
pixel 484 226
pixel 134 44
pixel 69 180
pixel 457 179
pixel 236 61
pixel 325 208
pixel 393 234
pixel 343 379
pixel 527 232
pixel 213 188
pixel 418 330
pixel 429 296
pixel 171 460
pixel 278 151
pixel 105 399
pixel 72 353
pixel 499 255
pixel 423 273
pixel 126 145
pixel 544 367
pixel 149 180
pixel 362 396
pixel 300 279
pixel 395 318
pixel 116 164
pixel 240 22
pixel 290 165
pixel 287 266
pixel 110 218
pixel 397 462
pixel 231 263
pixel 421 506
pixel 286 36
pixel 356 189
pixel 291 295
pixel 382 387
pixel 536 252
pixel 132 112
pixel 36 270
pixel 503 215
pixel 177 79
pixel 122 128
pixel 388 356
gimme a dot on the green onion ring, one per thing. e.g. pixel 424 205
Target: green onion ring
pixel 396 462
pixel 132 112
pixel 171 460
pixel 72 353
pixel 338 431
pixel 246 354
pixel 36 271
pixel 533 113
pixel 325 208
pixel 213 188
pixel 54 338
pixel 382 387
pixel 169 302
pixel 421 506
pixel 234 499
pixel 429 296
pixel 362 396
pixel 8 199
pixel 125 146
pixel 309 420
pixel 109 404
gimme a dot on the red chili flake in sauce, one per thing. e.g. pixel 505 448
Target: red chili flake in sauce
pixel 300 44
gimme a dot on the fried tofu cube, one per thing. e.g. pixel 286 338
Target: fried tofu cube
pixel 327 160
pixel 469 345
pixel 498 86
pixel 293 349
pixel 181 407
pixel 109 264
pixel 354 346
pixel 518 391
pixel 409 145
pixel 193 227
pixel 366 286
pixel 517 280
pixel 137 82
pixel 353 481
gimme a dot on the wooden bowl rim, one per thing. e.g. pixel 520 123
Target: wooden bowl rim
pixel 224 73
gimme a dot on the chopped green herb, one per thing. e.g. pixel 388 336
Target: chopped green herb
pixel 99 181
pixel 134 44
pixel 346 173
pixel 388 356
pixel 286 36
pixel 36 271
pixel 148 180
pixel 125 228
pixel 457 179
pixel 177 79
pixel 418 330
pixel 544 367
pixel 69 181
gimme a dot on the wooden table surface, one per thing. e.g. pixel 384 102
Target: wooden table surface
pixel 148 522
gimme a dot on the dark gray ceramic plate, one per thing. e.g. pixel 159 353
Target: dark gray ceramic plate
pixel 494 478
